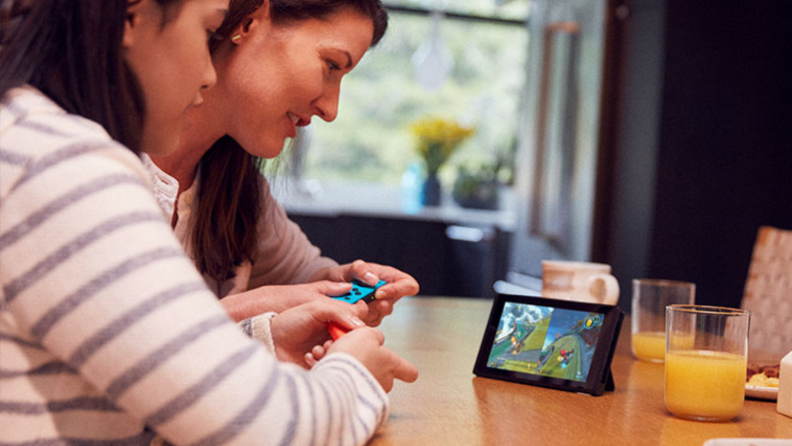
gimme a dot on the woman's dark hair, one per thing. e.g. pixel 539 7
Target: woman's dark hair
pixel 229 195
pixel 71 50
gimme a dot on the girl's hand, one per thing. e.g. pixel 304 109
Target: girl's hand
pixel 317 353
pixel 298 331
pixel 365 344
pixel 398 284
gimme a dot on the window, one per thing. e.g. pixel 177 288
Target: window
pixel 371 139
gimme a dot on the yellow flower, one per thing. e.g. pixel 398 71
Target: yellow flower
pixel 438 138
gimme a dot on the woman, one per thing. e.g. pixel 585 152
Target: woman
pixel 107 333
pixel 280 62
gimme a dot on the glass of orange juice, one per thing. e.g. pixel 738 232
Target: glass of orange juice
pixel 649 300
pixel 706 358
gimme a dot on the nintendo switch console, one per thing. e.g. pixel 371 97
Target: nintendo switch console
pixel 552 343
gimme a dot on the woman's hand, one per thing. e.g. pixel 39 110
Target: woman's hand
pixel 365 344
pixel 302 330
pixel 279 298
pixel 398 284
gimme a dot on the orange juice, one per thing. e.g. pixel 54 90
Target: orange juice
pixel 649 345
pixel 704 385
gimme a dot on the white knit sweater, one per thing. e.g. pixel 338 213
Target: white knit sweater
pixel 107 332
pixel 284 255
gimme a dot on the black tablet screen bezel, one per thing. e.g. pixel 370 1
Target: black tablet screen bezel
pixel 599 371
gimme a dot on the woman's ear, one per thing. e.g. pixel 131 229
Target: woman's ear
pixel 134 15
pixel 258 19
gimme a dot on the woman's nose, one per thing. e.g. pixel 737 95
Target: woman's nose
pixel 327 104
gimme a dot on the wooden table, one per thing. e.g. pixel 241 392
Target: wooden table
pixel 448 405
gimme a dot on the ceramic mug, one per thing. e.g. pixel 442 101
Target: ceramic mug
pixel 582 281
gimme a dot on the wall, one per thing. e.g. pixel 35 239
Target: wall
pixel 717 163
pixel 638 130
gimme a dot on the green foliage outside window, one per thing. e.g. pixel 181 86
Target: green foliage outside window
pixel 371 138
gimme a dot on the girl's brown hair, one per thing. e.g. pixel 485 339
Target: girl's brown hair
pixel 71 50
pixel 229 195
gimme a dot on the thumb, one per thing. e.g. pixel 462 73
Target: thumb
pixel 328 310
pixel 329 288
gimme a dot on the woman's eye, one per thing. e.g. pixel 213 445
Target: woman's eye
pixel 333 66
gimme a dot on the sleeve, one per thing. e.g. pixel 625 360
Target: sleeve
pixel 110 293
pixel 259 328
pixel 285 255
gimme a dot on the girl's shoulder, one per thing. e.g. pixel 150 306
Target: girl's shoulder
pixel 27 112
pixel 34 130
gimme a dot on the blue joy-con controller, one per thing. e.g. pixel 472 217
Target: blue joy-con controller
pixel 360 291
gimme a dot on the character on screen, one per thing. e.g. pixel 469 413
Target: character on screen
pixel 518 341
pixel 574 335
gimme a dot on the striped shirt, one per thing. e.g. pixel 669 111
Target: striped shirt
pixel 107 332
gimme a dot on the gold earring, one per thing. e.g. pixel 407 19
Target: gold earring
pixel 236 38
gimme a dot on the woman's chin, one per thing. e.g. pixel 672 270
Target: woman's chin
pixel 265 150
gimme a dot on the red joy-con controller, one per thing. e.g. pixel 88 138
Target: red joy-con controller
pixel 336 331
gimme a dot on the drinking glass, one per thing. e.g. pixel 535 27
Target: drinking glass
pixel 649 300
pixel 706 358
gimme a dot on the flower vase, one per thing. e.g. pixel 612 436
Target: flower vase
pixel 430 192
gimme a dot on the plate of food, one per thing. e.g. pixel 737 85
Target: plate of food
pixel 747 442
pixel 762 382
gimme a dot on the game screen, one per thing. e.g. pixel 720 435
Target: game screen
pixel 553 342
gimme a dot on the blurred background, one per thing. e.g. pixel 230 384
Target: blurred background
pixel 652 135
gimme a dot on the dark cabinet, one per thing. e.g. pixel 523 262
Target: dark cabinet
pixel 446 259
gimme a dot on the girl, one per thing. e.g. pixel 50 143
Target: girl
pixel 280 62
pixel 107 334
